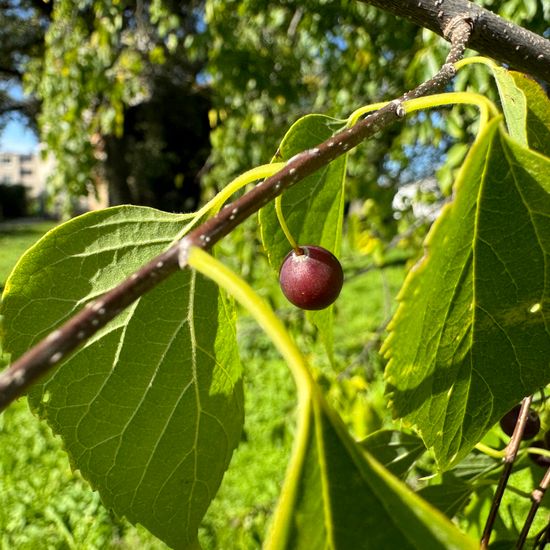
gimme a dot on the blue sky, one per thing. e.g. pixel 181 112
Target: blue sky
pixel 16 137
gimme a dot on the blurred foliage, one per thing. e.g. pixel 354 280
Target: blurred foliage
pixel 271 63
pixel 21 38
pixel 120 100
pixel 156 97
pixel 108 76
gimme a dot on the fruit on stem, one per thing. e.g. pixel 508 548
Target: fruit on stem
pixel 311 277
pixel 509 420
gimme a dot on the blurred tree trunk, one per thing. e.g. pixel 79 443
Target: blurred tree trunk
pixel 116 172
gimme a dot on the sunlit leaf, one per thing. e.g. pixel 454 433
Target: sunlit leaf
pixel 150 409
pixel 470 336
pixel 538 113
pixel 514 104
pixel 517 501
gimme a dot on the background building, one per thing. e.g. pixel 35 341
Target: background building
pixel 23 184
pixel 29 170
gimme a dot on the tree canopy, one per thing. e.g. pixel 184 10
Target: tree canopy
pixel 164 101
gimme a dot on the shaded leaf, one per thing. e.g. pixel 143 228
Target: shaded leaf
pixel 451 491
pixel 395 450
pixel 150 409
pixel 343 498
pixel 449 497
pixel 474 466
pixel 470 336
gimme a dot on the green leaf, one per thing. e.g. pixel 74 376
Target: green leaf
pixel 475 466
pixel 151 408
pixel 313 209
pixel 513 508
pixel 516 503
pixel 470 336
pixel 450 496
pixel 514 104
pixel 451 491
pixel 395 450
pixel 343 498
pixel 538 113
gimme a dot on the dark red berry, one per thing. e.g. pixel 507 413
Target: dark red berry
pixel 543 461
pixel 313 279
pixel 509 420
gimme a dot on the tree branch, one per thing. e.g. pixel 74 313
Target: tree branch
pixel 492 36
pixel 36 362
pixel 509 458
pixel 536 497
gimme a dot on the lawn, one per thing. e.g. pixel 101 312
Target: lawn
pixel 44 504
pixel 15 238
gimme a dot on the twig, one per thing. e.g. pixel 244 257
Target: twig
pixel 509 458
pixel 536 496
pixel 542 537
pixel 36 362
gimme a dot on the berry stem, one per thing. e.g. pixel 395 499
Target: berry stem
pixel 489 451
pixel 280 216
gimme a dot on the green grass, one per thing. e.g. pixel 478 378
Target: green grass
pixel 15 238
pixel 43 504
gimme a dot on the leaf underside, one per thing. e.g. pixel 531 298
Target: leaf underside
pixel 470 338
pixel 151 408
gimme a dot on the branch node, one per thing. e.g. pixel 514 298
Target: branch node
pixel 399 110
pixel 183 252
pixel 456 24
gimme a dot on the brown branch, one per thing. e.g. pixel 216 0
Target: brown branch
pixel 40 359
pixel 492 35
pixel 536 497
pixel 509 458
pixel 542 538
